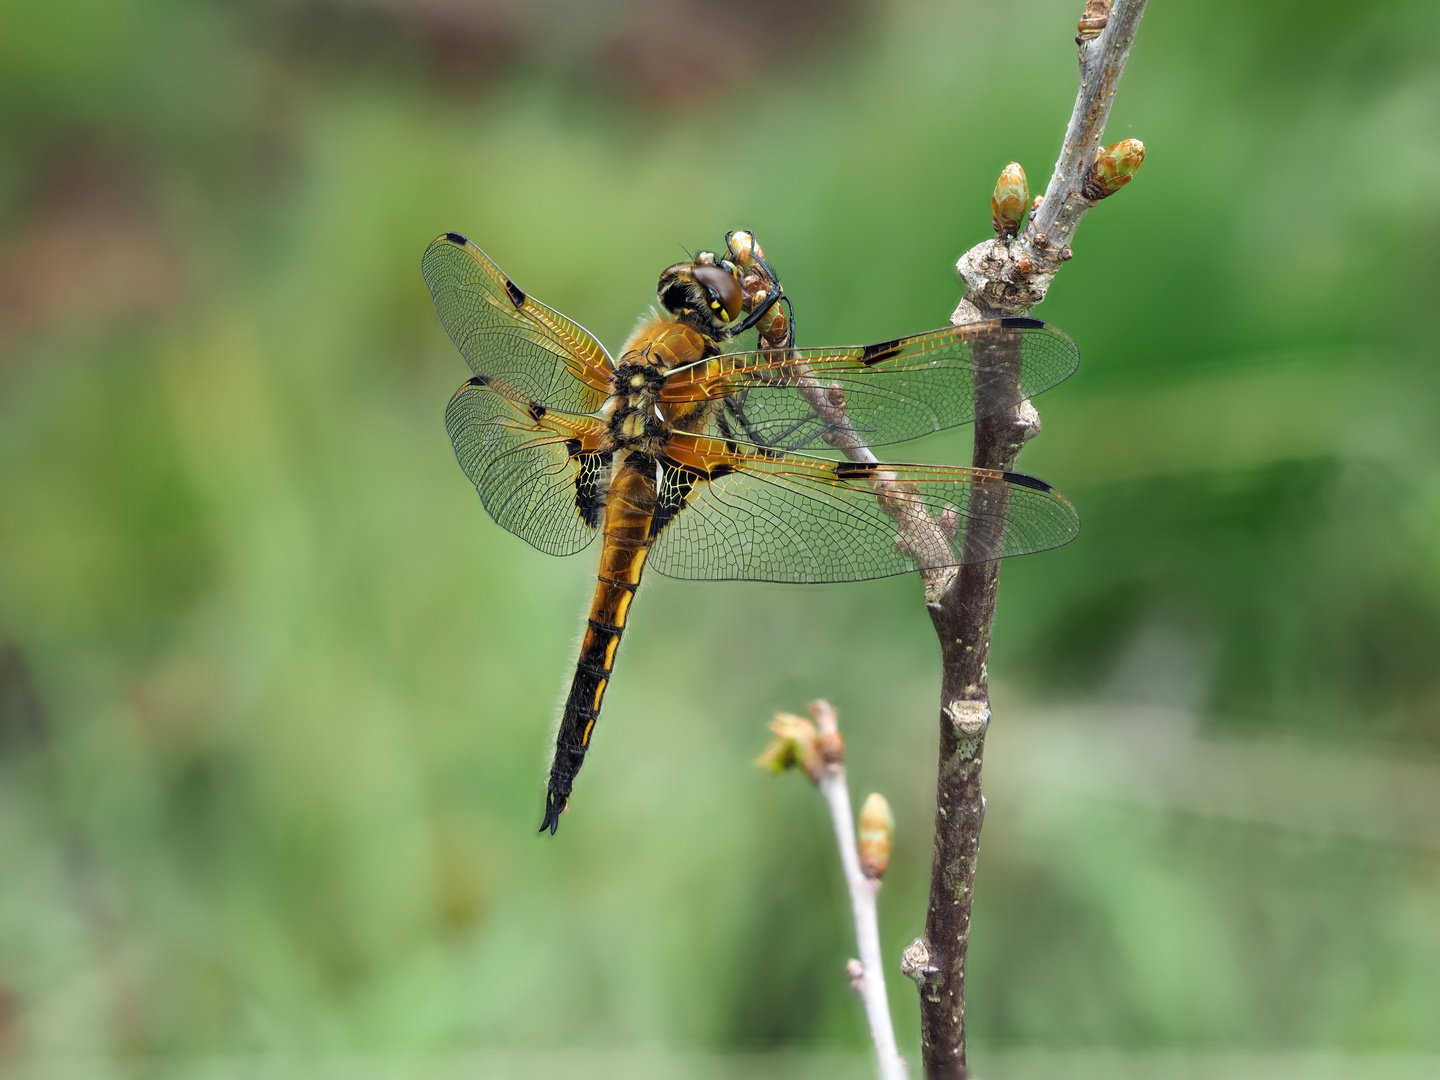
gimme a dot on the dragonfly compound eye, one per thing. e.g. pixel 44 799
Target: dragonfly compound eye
pixel 722 291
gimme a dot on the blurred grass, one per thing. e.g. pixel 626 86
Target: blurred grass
pixel 275 696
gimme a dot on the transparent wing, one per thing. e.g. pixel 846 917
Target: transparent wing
pixel 541 474
pixel 510 338
pixel 892 391
pixel 728 514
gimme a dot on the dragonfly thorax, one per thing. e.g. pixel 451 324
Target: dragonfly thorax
pixel 637 419
pixel 634 416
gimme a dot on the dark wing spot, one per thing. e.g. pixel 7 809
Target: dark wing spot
pixel 674 494
pixel 1020 322
pixel 516 296
pixel 537 411
pixel 1022 480
pixel 590 472
pixel 477 380
pixel 456 238
pixel 873 354
pixel 573 446
pixel 855 470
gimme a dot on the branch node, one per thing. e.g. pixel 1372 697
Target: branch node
pixel 856 971
pixel 937 580
pixel 990 271
pixel 915 965
pixel 969 717
pixel 1029 420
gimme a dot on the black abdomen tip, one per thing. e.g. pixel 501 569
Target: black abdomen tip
pixel 554 807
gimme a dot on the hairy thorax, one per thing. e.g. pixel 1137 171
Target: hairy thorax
pixel 638 420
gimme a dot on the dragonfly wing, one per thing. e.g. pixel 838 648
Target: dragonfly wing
pixel 542 474
pixel 509 337
pixel 892 391
pixel 728 514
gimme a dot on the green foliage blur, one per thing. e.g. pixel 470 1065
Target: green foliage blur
pixel 276 696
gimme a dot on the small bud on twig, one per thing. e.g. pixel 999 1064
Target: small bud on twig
pixel 1097 15
pixel 743 247
pixel 877 836
pixel 827 720
pixel 1114 168
pixel 1007 205
pixel 796 742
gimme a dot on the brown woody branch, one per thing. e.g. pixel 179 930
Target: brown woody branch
pixel 1004 277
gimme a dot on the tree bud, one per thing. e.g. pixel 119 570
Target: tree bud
pixel 876 836
pixel 1114 168
pixel 1012 196
pixel 743 248
pixel 795 742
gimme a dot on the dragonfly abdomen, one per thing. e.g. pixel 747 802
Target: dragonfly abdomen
pixel 629 511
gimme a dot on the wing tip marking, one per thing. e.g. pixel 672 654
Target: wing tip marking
pixel 471 383
pixel 1021 322
pixel 1023 480
pixel 457 238
pixel 516 294
pixel 881 350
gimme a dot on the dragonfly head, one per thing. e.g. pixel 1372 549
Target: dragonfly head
pixel 705 294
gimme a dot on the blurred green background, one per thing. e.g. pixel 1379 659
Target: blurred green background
pixel 276 696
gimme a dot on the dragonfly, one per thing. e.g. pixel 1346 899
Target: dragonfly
pixel 706 464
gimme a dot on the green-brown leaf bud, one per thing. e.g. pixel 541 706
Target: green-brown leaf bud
pixel 795 742
pixel 876 836
pixel 1114 168
pixel 1011 198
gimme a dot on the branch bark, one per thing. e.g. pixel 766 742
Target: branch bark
pixel 818 750
pixel 1003 278
pixel 868 976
